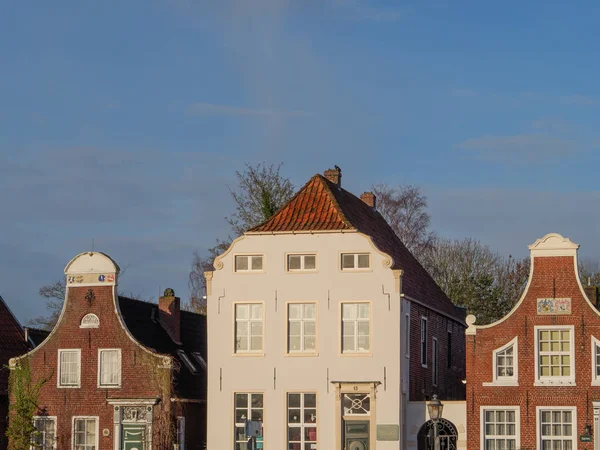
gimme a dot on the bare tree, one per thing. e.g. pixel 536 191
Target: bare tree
pixel 474 276
pixel 405 209
pixel 260 192
pixel 54 294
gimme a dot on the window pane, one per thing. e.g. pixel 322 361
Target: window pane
pixel 256 343
pixel 295 343
pixel 294 328
pixel 309 343
pixel 348 344
pixel 347 261
pixel 241 263
pixel 310 310
pixel 257 401
pixel 294 262
pixel 257 311
pixel 363 261
pixel 310 262
pixel 257 263
pixel 309 328
pixel 294 400
pixel 348 328
pixel 363 328
pixel 310 400
pixel 295 310
pixel 363 343
pixel 241 311
pixel 363 310
pixel 349 310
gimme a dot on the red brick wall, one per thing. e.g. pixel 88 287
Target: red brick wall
pixel 552 277
pixel 139 369
pixel 449 385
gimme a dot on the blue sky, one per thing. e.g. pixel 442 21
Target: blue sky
pixel 124 122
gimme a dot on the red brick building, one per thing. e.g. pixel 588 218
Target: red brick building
pixel 533 377
pixel 14 341
pixel 121 373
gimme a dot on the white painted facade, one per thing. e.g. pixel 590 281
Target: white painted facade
pixel 382 372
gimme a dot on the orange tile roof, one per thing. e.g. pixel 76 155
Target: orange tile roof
pixel 323 206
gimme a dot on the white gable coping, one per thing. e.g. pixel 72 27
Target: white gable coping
pixel 553 244
pixel 91 262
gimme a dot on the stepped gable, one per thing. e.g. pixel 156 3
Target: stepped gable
pixel 324 206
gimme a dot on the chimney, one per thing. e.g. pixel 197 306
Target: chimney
pixel 369 198
pixel 592 294
pixel 169 314
pixel 334 175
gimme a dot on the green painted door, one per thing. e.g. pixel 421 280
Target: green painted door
pixel 356 435
pixel 134 437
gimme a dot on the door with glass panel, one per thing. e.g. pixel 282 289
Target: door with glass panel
pixel 356 423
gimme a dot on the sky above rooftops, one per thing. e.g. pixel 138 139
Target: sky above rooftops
pixel 123 123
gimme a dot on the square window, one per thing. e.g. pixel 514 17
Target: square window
pixel 554 361
pixel 499 428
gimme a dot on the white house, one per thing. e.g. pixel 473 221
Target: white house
pixel 321 327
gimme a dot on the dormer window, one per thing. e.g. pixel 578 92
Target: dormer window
pixel 356 261
pixel 249 263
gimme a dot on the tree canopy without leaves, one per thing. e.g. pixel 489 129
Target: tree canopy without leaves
pixel 260 192
pixel 405 210
pixel 475 277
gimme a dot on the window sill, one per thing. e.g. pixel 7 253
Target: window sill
pixel 253 355
pixel 302 354
pixel 501 383
pixel 109 387
pixel 352 354
pixel 60 386
pixel 554 383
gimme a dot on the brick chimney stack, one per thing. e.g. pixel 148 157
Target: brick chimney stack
pixel 169 314
pixel 334 175
pixel 369 198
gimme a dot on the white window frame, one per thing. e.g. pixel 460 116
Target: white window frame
pixel 302 257
pixel 595 365
pixel 506 380
pixel 302 320
pixel 51 418
pixel 180 433
pixel 249 410
pixel 94 418
pixel 434 361
pixel 250 258
pixel 550 380
pixel 407 336
pixel 484 409
pixel 356 321
pixel 249 351
pixel 59 375
pixel 302 425
pixel 109 386
pixel 424 339
pixel 538 416
pixel 355 268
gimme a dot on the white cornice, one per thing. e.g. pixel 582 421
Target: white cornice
pixel 553 244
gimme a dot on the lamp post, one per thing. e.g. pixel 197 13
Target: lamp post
pixel 435 408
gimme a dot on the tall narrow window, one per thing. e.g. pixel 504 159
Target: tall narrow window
pixel 499 429
pixel 424 341
pixel 356 324
pixel 407 335
pixel 44 436
pixel 434 361
pixel 180 436
pixel 302 421
pixel 302 329
pixel 69 368
pixel 556 429
pixel 85 433
pixel 248 419
pixel 596 361
pixel 109 370
pixel 449 355
pixel 248 328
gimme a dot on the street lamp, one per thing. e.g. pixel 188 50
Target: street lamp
pixel 435 408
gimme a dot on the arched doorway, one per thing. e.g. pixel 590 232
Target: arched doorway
pixel 446 435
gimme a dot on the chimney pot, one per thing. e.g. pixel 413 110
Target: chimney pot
pixel 334 175
pixel 169 314
pixel 369 198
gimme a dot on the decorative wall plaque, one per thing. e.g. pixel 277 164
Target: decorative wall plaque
pixel 388 432
pixel 90 321
pixel 549 306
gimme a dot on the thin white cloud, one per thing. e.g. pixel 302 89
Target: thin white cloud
pixel 522 148
pixel 210 109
